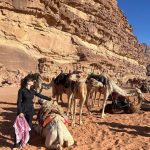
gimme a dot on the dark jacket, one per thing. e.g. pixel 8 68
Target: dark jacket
pixel 25 100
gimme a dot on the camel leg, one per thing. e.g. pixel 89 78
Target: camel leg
pixel 91 100
pixel 74 111
pixel 106 94
pixel 71 108
pixel 94 100
pixel 69 103
pixel 93 92
pixel 99 99
pixel 50 140
pixel 87 97
pixel 81 107
pixel 87 102
pixel 87 107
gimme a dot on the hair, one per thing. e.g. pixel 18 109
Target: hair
pixel 25 80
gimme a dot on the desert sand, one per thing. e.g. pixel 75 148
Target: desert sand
pixel 115 132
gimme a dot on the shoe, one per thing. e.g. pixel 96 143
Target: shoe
pixel 16 146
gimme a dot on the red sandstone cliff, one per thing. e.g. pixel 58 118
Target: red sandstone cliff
pixel 68 31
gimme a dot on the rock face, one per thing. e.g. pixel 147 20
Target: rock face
pixel 14 58
pixel 10 77
pixel 146 50
pixel 69 31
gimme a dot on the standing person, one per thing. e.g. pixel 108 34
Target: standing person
pixel 25 101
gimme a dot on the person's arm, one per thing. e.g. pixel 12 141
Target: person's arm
pixel 41 96
pixel 19 101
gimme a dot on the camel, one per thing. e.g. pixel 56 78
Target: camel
pixel 79 92
pixel 93 88
pixel 75 87
pixel 61 85
pixel 107 86
pixel 124 104
pixel 52 126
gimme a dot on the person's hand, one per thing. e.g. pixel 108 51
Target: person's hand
pixel 21 115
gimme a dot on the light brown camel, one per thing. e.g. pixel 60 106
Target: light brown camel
pixel 79 92
pixel 106 88
pixel 52 126
pixel 93 87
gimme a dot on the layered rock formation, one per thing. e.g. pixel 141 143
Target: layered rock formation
pixel 68 31
pixel 146 50
pixel 10 77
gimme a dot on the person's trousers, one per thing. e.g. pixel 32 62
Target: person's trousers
pixel 29 118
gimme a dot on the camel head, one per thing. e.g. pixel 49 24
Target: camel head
pixel 78 76
pixel 91 82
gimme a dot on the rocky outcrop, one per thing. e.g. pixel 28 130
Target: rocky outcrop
pixel 15 58
pixel 68 31
pixel 146 51
pixel 10 77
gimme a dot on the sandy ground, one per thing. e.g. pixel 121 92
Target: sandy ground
pixel 115 132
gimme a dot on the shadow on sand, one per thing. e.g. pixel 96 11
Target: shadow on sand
pixel 2 102
pixel 6 127
pixel 136 130
pixel 7 131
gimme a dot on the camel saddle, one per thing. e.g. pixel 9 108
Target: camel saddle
pixel 47 120
pixel 51 117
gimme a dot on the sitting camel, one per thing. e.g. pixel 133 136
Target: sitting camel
pixel 107 86
pixel 122 104
pixel 52 126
